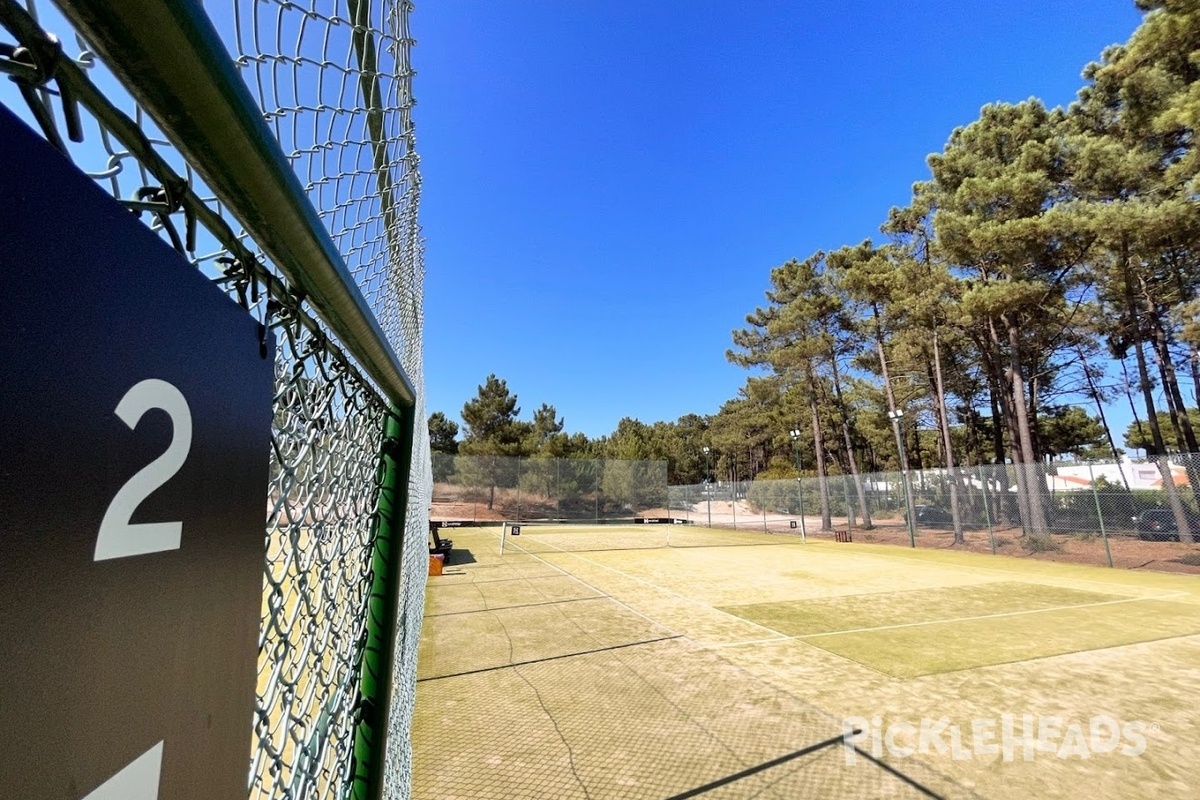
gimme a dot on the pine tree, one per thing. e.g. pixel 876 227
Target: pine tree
pixel 494 433
pixel 998 188
pixel 442 433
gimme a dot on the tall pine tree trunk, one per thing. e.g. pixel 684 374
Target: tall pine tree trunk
pixel 1005 395
pixel 1179 268
pixel 994 392
pixel 1170 384
pixel 944 422
pixel 1034 407
pixel 1162 459
pixel 1094 393
pixel 1023 515
pixel 819 448
pixel 1179 414
pixel 1194 366
pixel 863 506
pixel 1164 463
pixel 1035 482
pixel 1128 387
pixel 909 505
pixel 1001 501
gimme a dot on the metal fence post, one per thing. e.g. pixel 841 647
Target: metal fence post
pixel 374 694
pixel 849 507
pixel 800 489
pixel 733 501
pixel 1100 515
pixel 987 511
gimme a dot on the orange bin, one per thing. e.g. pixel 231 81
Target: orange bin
pixel 436 562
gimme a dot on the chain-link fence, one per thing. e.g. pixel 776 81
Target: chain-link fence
pixel 309 221
pixel 1133 513
pixel 502 488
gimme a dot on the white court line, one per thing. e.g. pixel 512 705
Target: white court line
pixel 804 636
pixel 655 586
pixel 954 619
pixel 777 635
pixel 1029 577
pixel 991 616
pixel 598 590
pixel 653 621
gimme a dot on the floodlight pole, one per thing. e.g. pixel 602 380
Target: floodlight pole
pixel 707 485
pixel 895 416
pixel 795 434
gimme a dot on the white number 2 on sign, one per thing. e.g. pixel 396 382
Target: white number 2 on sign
pixel 119 537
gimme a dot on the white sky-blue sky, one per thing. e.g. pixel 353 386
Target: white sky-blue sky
pixel 608 184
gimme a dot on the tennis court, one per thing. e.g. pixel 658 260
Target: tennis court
pixel 678 661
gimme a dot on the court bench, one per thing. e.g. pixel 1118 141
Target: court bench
pixel 437 545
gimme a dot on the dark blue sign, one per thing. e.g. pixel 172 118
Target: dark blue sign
pixel 135 415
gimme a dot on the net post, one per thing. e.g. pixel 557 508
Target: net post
pixel 374 695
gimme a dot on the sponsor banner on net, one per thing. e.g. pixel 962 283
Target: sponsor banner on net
pixel 1010 737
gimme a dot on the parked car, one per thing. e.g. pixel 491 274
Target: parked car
pixel 932 515
pixel 1159 524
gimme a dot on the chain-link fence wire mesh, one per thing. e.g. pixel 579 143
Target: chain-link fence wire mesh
pixel 504 488
pixel 1132 513
pixel 334 82
pixel 339 102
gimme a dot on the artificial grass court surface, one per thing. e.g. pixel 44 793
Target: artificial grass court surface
pixel 547 538
pixel 925 631
pixel 648 671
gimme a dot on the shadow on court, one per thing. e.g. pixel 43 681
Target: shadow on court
pixel 459 556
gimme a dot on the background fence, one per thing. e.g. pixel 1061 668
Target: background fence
pixel 482 488
pixel 1141 512
pixel 271 144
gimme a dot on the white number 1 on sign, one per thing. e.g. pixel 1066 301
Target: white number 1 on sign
pixel 119 537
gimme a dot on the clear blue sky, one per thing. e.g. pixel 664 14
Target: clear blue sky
pixel 608 184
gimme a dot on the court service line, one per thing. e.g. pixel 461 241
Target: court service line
pixel 664 589
pixel 674 633
pixel 804 636
pixel 985 616
pixel 701 645
pixel 1029 577
pixel 599 591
